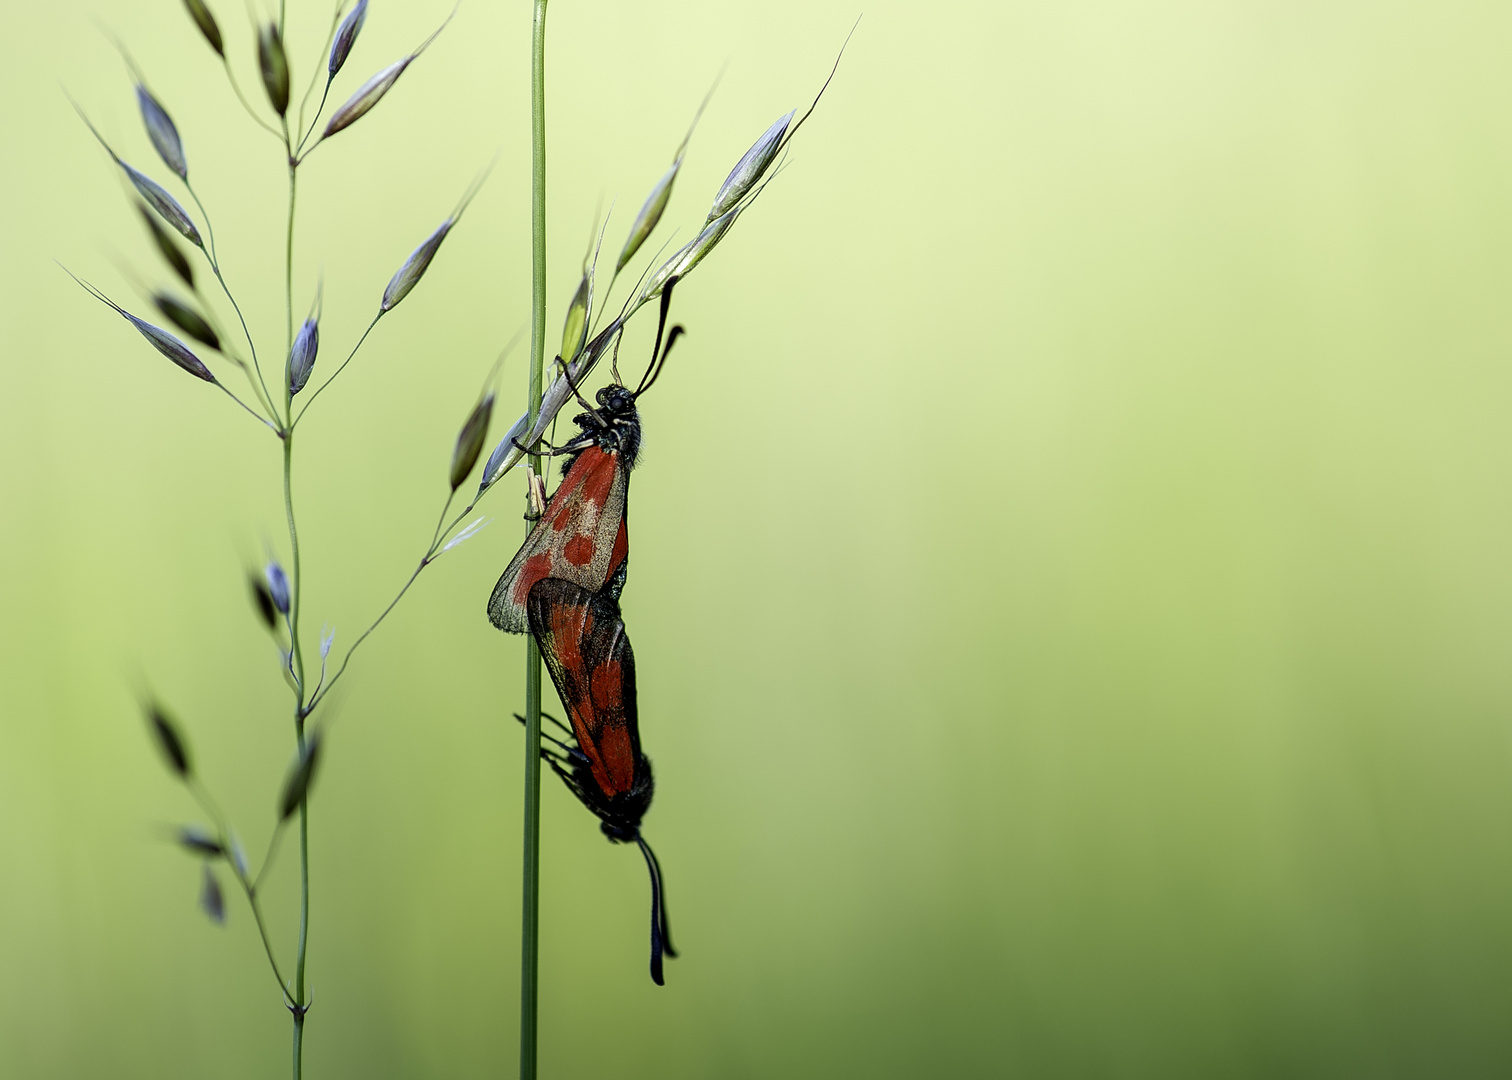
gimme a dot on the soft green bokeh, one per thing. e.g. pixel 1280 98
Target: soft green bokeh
pixel 1070 561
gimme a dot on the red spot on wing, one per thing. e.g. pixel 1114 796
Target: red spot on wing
pixel 536 567
pixel 617 774
pixel 607 684
pixel 579 550
pixel 600 480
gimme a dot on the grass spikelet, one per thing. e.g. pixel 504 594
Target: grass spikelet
pixel 301 777
pixel 372 91
pixel 750 168
pixel 164 204
pixel 161 340
pixel 212 900
pixel 162 131
pixel 278 587
pixel 306 346
pixel 273 64
pixel 186 319
pixel 262 600
pixel 166 734
pixel 650 214
pixel 207 25
pixel 470 440
pixel 166 246
pixel 346 37
pixel 200 841
pixel 575 326
pixel 656 202
pixel 413 269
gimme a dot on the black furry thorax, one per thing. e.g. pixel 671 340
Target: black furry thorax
pixel 613 426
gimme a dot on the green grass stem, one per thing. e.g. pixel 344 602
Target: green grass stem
pixel 531 883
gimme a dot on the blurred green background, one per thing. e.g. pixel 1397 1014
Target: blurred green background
pixel 1070 574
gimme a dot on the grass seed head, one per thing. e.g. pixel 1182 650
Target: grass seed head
pixel 186 319
pixel 166 247
pixel 201 841
pixel 278 586
pixel 650 214
pixel 470 441
pixel 367 95
pixel 212 900
pixel 372 91
pixel 301 776
pixel 409 274
pixel 750 169
pixel 346 37
pixel 273 62
pixel 207 24
pixel 162 132
pixel 166 734
pixel 302 355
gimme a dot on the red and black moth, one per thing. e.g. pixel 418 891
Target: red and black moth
pixel 583 642
pixel 563 587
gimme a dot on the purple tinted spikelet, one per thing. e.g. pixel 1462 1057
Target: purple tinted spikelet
pixel 200 841
pixel 372 91
pixel 749 169
pixel 278 587
pixel 161 340
pixel 207 25
pixel 164 204
pixel 273 63
pixel 162 132
pixel 346 37
pixel 302 355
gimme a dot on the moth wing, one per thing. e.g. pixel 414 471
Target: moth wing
pixel 580 538
pixel 583 641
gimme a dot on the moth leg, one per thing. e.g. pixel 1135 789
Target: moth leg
pixel 549 450
pixel 570 753
pixel 565 729
pixel 584 402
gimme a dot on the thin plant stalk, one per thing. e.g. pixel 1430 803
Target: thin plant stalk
pixel 296 659
pixel 531 885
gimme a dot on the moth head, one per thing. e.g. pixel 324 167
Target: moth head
pixel 615 399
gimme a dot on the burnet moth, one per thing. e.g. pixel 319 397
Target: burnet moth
pixel 563 586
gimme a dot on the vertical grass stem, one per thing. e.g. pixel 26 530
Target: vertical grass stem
pixel 531 884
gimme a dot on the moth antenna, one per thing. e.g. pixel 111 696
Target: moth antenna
pixel 661 325
pixel 614 362
pixel 656 913
pixel 666 924
pixel 672 336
